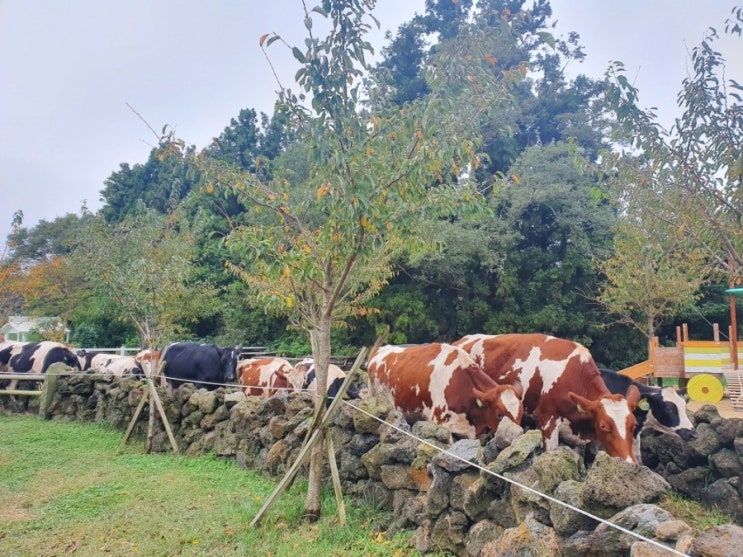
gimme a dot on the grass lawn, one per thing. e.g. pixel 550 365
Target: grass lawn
pixel 66 490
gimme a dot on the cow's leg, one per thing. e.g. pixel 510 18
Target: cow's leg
pixel 550 433
pixel 636 448
pixel 13 402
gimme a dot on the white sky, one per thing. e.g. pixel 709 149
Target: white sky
pixel 68 68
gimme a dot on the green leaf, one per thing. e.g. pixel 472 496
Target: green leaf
pixel 298 55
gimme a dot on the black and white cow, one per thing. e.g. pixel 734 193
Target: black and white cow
pixel 9 349
pixel 114 364
pixel 36 357
pixel 205 365
pixel 660 408
pixel 336 377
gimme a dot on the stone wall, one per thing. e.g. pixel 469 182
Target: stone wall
pixel 474 499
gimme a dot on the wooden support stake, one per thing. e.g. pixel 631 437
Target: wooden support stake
pixel 135 416
pixel 155 403
pixel 314 435
pixel 288 477
pixel 336 479
pixel 163 416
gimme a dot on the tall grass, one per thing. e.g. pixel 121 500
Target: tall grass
pixel 65 489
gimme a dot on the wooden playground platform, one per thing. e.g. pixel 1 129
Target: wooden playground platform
pixel 689 358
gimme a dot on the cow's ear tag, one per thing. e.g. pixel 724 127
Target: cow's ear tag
pixel 643 404
pixel 580 409
pixel 478 402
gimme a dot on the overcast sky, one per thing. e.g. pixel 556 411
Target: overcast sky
pixel 69 68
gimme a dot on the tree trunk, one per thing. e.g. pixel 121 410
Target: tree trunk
pixel 320 340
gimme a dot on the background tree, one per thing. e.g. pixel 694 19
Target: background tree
pixel 694 171
pixel 143 265
pixel 652 275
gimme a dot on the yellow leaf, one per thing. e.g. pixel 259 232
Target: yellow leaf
pixel 289 301
pixel 322 190
pixel 515 179
pixel 210 188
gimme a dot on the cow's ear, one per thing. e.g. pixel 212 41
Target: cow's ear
pixel 633 396
pixel 582 405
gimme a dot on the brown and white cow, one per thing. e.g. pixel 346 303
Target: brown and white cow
pixel 148 360
pixel 561 386
pixel 268 376
pixel 442 383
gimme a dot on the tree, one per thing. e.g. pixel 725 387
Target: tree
pixel 689 177
pixel 694 171
pixel 323 241
pixel 651 275
pixel 53 287
pixel 144 265
pixel 161 183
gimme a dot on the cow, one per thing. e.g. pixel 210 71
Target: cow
pixel 336 377
pixel 113 364
pixel 562 387
pixel 8 349
pixel 659 408
pixel 36 357
pixel 147 359
pixel 443 384
pixel 268 376
pixel 207 366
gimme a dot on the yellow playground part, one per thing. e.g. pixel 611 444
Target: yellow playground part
pixel 685 360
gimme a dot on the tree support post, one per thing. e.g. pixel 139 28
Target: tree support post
pixel 155 403
pixel 315 433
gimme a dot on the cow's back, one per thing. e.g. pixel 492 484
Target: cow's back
pixel 192 362
pixel 547 367
pixel 264 376
pixel 38 356
pixel 404 375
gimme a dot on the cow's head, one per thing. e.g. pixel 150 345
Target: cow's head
pixel 668 414
pixel 69 358
pixel 296 378
pixel 83 359
pixel 502 401
pixel 613 421
pixel 229 359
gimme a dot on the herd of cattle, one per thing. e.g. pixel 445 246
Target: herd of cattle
pixel 470 386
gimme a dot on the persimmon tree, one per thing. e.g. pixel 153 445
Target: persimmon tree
pixel 362 183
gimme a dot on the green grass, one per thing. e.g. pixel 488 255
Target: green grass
pixel 694 514
pixel 65 489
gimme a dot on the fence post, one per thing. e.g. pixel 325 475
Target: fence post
pixel 49 389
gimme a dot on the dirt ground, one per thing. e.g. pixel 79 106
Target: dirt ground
pixel 724 407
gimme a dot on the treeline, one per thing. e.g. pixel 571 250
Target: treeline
pixel 537 258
